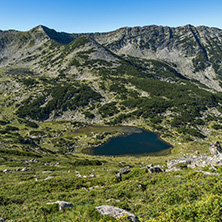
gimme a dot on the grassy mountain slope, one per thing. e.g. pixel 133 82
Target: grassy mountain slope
pixel 56 76
pixel 61 93
pixel 177 196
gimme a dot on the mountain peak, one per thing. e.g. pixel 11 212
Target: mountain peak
pixel 60 37
pixel 39 28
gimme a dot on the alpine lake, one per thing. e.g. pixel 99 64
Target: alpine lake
pixel 130 141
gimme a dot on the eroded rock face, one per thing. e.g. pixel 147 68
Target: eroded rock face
pixel 116 212
pixel 215 148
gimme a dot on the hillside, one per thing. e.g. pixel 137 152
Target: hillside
pixel 159 82
pixel 62 92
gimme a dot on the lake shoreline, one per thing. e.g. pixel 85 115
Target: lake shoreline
pixel 164 152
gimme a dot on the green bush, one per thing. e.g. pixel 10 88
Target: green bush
pixel 64 97
pixel 86 162
pixel 217 126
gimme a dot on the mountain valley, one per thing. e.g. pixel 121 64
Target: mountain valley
pixel 61 93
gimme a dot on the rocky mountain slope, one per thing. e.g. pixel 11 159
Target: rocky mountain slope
pixel 149 76
pixel 194 52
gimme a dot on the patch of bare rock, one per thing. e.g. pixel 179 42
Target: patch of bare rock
pixel 63 204
pixel 193 161
pixel 116 212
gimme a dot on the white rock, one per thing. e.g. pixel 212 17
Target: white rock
pixel 63 204
pixel 7 171
pixel 116 212
pixel 92 175
pixel 95 187
pixel 49 177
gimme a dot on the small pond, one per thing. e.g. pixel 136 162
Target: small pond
pixel 137 142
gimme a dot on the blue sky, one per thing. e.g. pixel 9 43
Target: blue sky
pixel 106 15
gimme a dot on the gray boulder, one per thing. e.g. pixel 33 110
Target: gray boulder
pixel 7 171
pixel 48 178
pixel 155 169
pixel 207 173
pixel 25 169
pixel 47 171
pixel 119 176
pixel 149 166
pixel 125 170
pixel 62 204
pixel 173 169
pixel 116 212
pixel 193 161
pixel 94 187
pixel 92 175
pixel 215 148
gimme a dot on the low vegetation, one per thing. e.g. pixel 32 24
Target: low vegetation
pixel 61 94
pixel 183 195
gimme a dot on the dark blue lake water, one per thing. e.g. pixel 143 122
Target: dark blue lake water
pixel 140 143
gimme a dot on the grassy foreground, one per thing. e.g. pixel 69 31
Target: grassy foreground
pixel 176 196
pixel 56 172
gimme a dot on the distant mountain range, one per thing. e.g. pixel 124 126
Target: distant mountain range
pixel 194 52
pixel 165 77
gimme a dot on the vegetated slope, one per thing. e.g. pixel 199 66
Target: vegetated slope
pixel 31 182
pixel 52 84
pixel 166 79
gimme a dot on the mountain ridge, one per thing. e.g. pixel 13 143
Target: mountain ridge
pixel 148 75
pixel 191 49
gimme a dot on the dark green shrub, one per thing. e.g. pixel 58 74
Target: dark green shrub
pixel 50 208
pixel 11 128
pixel 217 126
pixel 86 162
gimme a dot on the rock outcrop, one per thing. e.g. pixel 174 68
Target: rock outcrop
pixel 116 212
pixel 62 204
pixel 119 176
pixel 193 161
pixel 153 169
pixel 208 173
pixel 215 149
pixel 16 170
pixel 125 170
